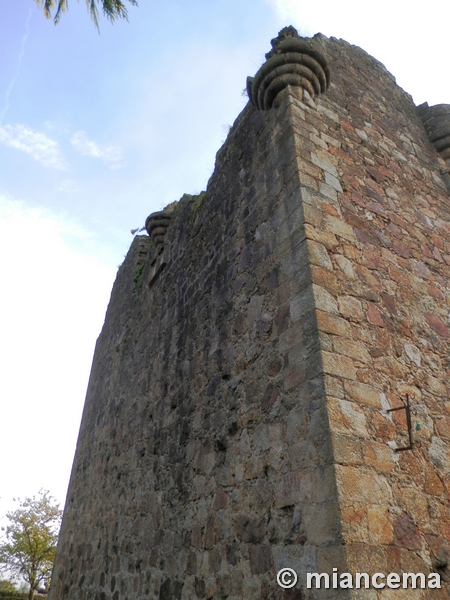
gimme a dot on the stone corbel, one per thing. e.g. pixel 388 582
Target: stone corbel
pixel 293 61
pixel 156 225
pixel 436 120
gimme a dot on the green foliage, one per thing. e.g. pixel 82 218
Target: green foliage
pixel 137 277
pixel 28 550
pixel 7 587
pixel 198 200
pixel 8 591
pixel 112 9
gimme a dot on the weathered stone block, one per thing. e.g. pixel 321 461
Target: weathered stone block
pixel 362 485
pixel 336 364
pixel 347 418
pixel 295 487
pixel 363 393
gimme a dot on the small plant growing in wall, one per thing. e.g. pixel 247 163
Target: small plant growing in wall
pixel 137 277
pixel 197 202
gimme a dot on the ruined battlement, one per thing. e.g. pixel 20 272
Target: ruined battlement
pixel 238 418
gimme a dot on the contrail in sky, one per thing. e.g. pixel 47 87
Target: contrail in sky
pixel 22 52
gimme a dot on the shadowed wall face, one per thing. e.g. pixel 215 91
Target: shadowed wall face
pixel 236 418
pixel 204 458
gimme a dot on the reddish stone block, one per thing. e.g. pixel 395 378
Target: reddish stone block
pixel 324 278
pixel 347 126
pixel 376 174
pixel 406 533
pixel 239 323
pixel 375 316
pixel 435 292
pixel 394 559
pixel 373 284
pixel 329 209
pixel 371 193
pixel 294 376
pixel 437 324
pixel 358 199
pixel 433 485
pixel 282 319
pixel 211 531
pixel 374 260
pixel 437 241
pixel 398 275
pixel 376 208
pixel 379 456
pixel 422 270
pixel 220 499
pixel 396 169
pixel 382 427
pixel 339 153
pixel 443 427
pixel 389 303
pixel 401 249
pixel 380 529
pixel 270 395
pixel 294 487
pixel 365 237
pixel 260 558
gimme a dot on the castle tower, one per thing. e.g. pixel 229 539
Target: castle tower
pixel 239 418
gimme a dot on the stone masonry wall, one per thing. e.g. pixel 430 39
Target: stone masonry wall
pixel 236 417
pixel 204 460
pixel 377 214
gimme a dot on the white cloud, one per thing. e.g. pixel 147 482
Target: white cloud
pixel 388 31
pixel 40 147
pixel 19 62
pixel 110 154
pixel 67 186
pixel 55 292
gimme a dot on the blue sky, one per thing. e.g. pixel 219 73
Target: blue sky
pixel 98 131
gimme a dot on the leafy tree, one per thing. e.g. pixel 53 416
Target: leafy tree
pixel 7 586
pixel 28 552
pixel 112 9
pixel 8 589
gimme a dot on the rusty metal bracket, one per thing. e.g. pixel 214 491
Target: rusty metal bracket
pixel 407 409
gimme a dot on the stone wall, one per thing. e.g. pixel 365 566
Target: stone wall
pixel 377 214
pixel 236 419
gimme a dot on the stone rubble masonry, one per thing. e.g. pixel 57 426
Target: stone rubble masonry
pixel 236 416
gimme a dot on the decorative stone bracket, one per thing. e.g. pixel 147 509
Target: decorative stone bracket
pixel 156 225
pixel 294 61
pixel 436 120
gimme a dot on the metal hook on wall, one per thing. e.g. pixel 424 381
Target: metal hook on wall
pixel 406 407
